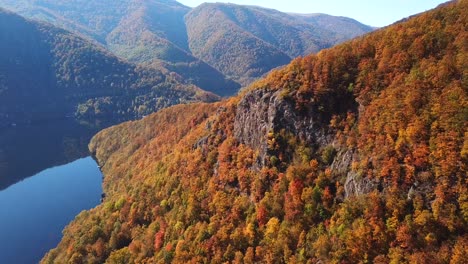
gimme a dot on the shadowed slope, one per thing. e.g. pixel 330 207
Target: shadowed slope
pixel 50 73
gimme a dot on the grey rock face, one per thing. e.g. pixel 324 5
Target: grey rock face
pixel 356 185
pixel 342 162
pixel 263 111
pixel 254 119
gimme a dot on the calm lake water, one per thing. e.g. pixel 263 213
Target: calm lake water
pixel 46 179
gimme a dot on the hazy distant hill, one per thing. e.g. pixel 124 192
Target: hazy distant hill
pixel 151 32
pixel 240 42
pixel 47 72
pixel 344 27
pixel 245 42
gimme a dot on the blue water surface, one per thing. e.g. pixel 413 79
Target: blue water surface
pixel 33 212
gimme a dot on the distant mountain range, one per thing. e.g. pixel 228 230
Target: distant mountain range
pixel 344 27
pixel 151 32
pixel 218 47
pixel 47 72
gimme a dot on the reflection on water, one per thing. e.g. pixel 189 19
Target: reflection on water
pixel 34 212
pixel 25 151
pixel 38 197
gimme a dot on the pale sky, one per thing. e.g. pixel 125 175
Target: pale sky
pixel 376 13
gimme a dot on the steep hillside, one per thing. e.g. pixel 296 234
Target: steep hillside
pixel 357 154
pixel 50 73
pixel 151 32
pixel 245 42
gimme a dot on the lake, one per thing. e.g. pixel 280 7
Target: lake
pixel 46 179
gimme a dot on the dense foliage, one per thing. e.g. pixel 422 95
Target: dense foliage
pixel 182 188
pixel 49 73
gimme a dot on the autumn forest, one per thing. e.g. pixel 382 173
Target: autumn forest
pixel 357 154
pixel 243 134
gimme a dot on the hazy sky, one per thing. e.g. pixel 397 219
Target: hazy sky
pixel 371 12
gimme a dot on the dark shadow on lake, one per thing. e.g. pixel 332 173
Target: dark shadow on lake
pixel 27 150
pixel 47 177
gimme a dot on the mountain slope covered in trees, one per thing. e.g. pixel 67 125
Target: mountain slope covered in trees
pixel 49 73
pixel 150 32
pixel 203 46
pixel 245 42
pixel 357 154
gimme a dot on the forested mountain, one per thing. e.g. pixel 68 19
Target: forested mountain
pixel 203 45
pixel 150 32
pixel 357 154
pixel 49 73
pixel 245 42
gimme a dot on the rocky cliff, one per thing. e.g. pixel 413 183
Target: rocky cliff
pixel 264 112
